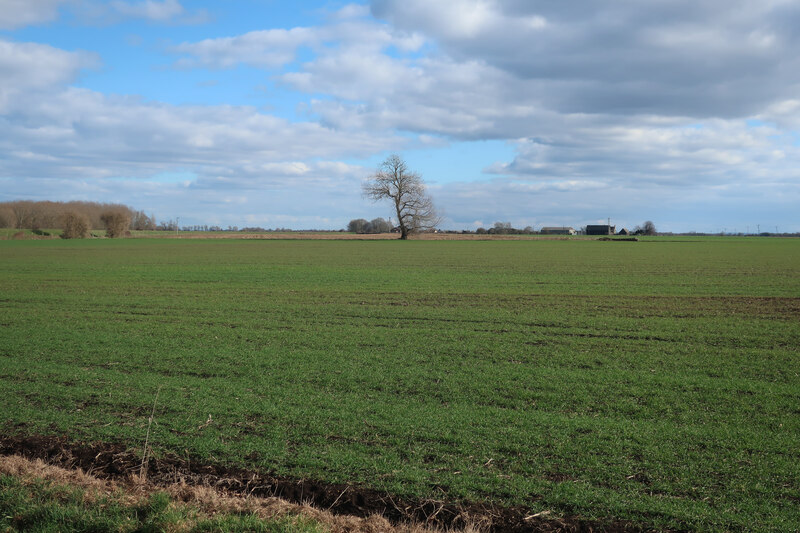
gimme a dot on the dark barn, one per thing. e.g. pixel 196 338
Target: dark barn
pixel 603 229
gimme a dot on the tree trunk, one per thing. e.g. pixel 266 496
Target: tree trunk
pixel 403 228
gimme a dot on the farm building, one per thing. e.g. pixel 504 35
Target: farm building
pixel 557 231
pixel 623 231
pixel 601 229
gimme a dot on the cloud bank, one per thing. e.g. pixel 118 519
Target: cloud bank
pixel 674 108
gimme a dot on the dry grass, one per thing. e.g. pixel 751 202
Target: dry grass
pixel 208 500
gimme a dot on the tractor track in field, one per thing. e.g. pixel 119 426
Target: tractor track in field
pixel 116 461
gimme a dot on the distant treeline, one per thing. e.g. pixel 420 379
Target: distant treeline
pixel 376 225
pixel 27 214
pixel 380 225
pixel 505 228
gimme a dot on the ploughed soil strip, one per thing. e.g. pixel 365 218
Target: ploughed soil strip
pixel 116 462
pixel 136 491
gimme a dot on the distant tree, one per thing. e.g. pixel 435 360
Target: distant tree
pixel 172 225
pixel 648 228
pixel 116 222
pixel 405 189
pixel 140 221
pixel 24 214
pixel 75 225
pixel 7 218
pixel 376 225
pixel 358 225
pixel 380 225
pixel 501 228
pixel 481 231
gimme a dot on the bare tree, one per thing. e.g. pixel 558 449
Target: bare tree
pixel 358 225
pixel 116 222
pixel 8 219
pixel 501 228
pixel 380 225
pixel 376 225
pixel 25 214
pixel 413 207
pixel 648 228
pixel 140 221
pixel 75 225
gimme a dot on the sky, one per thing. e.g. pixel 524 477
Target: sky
pixel 539 113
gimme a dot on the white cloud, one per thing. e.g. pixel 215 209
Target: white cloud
pixel 21 13
pixel 616 105
pixel 678 58
pixel 350 11
pixel 152 10
pixel 31 67
pixel 277 47
pixel 70 143
pixel 133 138
pixel 556 203
pixel 457 19
pixel 785 113
pixel 719 151
pixel 266 48
pixel 52 130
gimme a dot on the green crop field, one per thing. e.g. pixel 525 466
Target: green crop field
pixel 656 382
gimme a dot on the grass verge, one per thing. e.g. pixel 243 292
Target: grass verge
pixel 35 496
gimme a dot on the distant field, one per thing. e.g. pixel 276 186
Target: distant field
pixel 654 381
pixel 7 234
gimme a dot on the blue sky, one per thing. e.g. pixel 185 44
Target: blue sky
pixel 268 113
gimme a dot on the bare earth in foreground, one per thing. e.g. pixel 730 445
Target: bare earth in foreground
pixel 340 508
pixel 208 500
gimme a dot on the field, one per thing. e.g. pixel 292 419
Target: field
pixel 655 383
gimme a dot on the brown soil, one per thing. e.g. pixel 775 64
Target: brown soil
pixel 116 462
